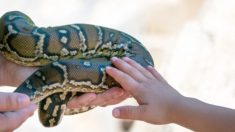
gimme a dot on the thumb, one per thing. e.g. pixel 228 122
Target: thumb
pixel 130 112
pixel 13 101
pixel 14 119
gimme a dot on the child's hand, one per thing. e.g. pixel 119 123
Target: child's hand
pixel 155 96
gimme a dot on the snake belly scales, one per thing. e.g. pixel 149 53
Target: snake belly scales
pixel 71 60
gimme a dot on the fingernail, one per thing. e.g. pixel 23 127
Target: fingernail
pixel 126 58
pixel 116 112
pixel 114 58
pixel 108 67
pixel 22 99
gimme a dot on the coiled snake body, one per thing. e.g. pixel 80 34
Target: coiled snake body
pixel 72 59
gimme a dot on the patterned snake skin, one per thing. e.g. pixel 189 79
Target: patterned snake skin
pixel 72 59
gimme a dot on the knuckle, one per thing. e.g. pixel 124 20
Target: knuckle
pixel 103 97
pixel 81 103
pixel 104 102
pixel 127 112
pixel 7 101
pixel 128 69
pixel 76 102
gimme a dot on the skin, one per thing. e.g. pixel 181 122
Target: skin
pixel 15 108
pixel 159 103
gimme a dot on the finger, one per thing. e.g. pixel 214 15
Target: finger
pixel 14 119
pixel 127 82
pixel 144 72
pixel 117 100
pixel 128 69
pixel 155 73
pixel 130 112
pixel 110 97
pixel 105 97
pixel 80 101
pixel 13 101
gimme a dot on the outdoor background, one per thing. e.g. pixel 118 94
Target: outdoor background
pixel 192 42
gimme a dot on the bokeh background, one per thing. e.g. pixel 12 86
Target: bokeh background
pixel 192 42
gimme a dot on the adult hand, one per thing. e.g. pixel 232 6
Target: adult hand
pixel 110 97
pixel 15 108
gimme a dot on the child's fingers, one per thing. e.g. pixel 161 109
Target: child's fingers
pixel 13 101
pixel 155 73
pixel 127 82
pixel 138 67
pixel 130 112
pixel 128 69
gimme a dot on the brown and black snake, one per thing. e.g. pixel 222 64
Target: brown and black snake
pixel 72 60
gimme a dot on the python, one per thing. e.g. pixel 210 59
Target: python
pixel 71 60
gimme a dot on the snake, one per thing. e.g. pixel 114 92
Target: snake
pixel 71 61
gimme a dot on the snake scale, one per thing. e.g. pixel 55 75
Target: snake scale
pixel 71 60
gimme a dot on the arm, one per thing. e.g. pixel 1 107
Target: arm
pixel 159 103
pixel 200 116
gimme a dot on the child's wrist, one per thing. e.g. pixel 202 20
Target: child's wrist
pixel 175 111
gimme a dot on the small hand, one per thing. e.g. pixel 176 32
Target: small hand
pixel 155 96
pixel 15 108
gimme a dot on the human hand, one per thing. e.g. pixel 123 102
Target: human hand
pixel 15 108
pixel 109 97
pixel 156 98
pixel 12 74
